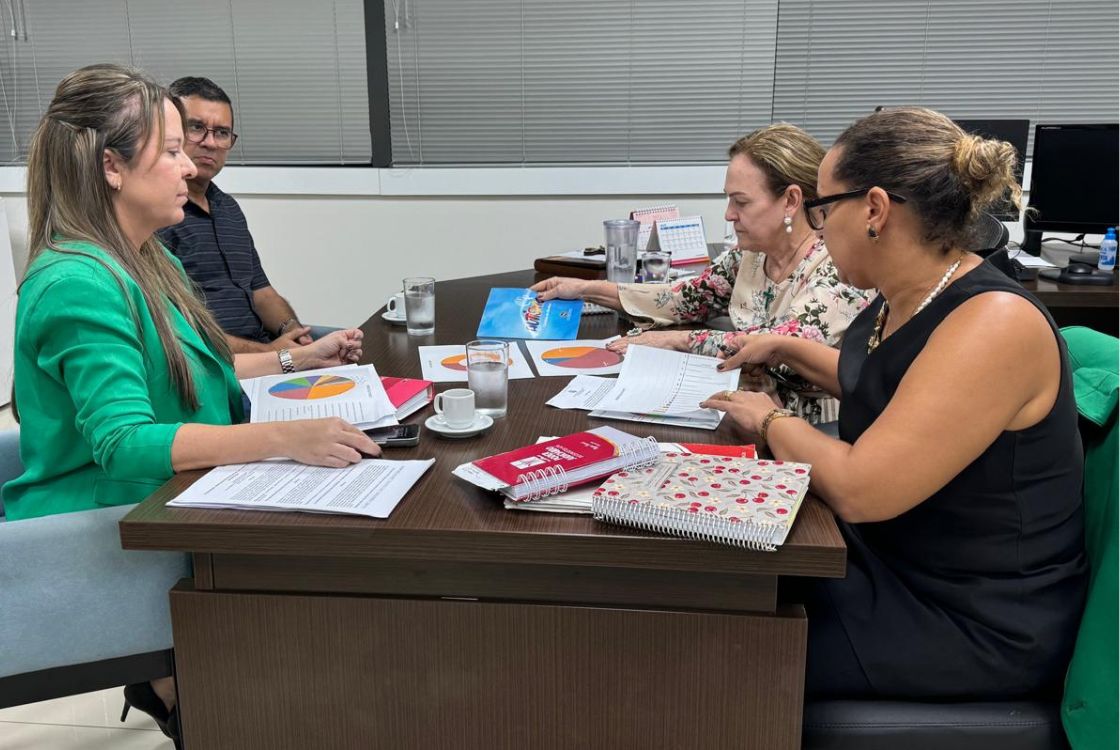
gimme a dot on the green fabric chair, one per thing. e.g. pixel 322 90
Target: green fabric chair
pixel 1089 705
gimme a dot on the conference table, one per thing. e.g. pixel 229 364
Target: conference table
pixel 456 623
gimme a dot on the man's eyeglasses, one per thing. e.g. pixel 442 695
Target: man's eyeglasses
pixel 817 211
pixel 223 137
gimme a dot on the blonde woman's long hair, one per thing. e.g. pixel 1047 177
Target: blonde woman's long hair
pixel 99 108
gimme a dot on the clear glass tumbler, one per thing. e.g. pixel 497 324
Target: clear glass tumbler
pixel 420 305
pixel 622 249
pixel 488 375
pixel 655 267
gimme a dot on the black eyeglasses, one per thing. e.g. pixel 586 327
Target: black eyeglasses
pixel 816 212
pixel 223 137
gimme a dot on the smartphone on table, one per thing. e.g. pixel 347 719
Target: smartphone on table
pixel 395 436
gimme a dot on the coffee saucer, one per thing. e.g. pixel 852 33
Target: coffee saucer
pixel 482 422
pixel 399 320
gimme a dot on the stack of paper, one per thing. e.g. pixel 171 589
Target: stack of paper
pixel 371 487
pixel 655 386
pixel 352 392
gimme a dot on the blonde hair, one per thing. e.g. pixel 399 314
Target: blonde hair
pixel 99 108
pixel 949 176
pixel 786 154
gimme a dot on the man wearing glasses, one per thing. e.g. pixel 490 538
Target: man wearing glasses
pixel 213 240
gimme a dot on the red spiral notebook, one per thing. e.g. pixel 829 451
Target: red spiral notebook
pixel 535 471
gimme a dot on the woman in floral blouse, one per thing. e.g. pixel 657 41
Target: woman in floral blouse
pixel 779 279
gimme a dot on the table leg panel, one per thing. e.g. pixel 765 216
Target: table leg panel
pixel 295 671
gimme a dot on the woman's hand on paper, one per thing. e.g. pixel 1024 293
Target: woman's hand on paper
pixel 755 353
pixel 675 340
pixel 560 287
pixel 746 408
pixel 329 442
pixel 334 349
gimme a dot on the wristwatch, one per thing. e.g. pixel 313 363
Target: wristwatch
pixel 286 364
pixel 284 326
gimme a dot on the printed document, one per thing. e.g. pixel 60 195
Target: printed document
pixel 352 392
pixel 663 382
pixel 372 487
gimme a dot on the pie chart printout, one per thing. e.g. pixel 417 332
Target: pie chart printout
pixel 458 362
pixel 581 357
pixel 312 387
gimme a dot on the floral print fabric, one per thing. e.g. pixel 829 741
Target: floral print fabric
pixel 812 304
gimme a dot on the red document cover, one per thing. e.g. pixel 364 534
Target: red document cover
pixel 568 453
pixel 707 449
pixel 408 392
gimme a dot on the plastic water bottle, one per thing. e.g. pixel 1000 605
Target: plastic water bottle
pixel 1107 261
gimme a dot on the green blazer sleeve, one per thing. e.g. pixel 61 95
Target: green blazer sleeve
pixel 90 345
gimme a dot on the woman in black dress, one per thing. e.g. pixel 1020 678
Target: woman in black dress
pixel 957 475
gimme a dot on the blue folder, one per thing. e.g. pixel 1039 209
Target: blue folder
pixel 518 314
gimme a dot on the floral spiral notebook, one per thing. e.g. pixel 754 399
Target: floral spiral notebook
pixel 738 501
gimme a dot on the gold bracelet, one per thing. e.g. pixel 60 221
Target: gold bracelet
pixel 770 417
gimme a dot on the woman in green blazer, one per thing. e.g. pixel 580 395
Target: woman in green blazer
pixel 122 377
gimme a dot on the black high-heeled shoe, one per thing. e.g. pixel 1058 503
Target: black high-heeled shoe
pixel 143 697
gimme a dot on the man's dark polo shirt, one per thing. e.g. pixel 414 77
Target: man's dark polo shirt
pixel 218 254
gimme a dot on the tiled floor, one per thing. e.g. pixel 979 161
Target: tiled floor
pixel 81 722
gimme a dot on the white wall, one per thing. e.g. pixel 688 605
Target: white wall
pixel 337 257
pixel 336 242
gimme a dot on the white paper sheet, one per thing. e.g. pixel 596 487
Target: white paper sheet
pixel 372 487
pixel 701 419
pixel 664 382
pixel 448 363
pixel 353 393
pixel 583 392
pixel 582 356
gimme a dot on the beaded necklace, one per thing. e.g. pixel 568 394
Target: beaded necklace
pixel 881 318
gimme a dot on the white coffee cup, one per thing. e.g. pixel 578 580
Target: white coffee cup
pixel 395 305
pixel 456 407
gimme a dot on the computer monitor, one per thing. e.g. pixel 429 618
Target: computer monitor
pixel 1075 181
pixel 1014 132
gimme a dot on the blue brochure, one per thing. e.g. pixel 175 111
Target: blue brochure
pixel 517 314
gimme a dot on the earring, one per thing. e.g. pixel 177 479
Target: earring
pixel 872 233
pixel 788 221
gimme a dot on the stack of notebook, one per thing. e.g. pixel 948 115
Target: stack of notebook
pixel 736 501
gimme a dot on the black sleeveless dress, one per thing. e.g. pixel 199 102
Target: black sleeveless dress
pixel 977 592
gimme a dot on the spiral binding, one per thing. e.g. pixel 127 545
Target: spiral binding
pixel 552 480
pixel 639 454
pixel 681 523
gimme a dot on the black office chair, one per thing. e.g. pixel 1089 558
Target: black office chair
pixel 989 241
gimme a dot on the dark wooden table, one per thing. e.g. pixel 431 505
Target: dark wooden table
pixel 458 624
pixel 1079 305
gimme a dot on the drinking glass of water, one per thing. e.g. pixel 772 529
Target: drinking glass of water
pixel 488 375
pixel 420 305
pixel 655 267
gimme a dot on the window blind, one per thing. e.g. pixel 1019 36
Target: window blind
pixel 1036 59
pixel 536 81
pixel 296 71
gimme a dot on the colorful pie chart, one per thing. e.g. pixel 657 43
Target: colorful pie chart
pixel 581 357
pixel 456 362
pixel 459 362
pixel 311 387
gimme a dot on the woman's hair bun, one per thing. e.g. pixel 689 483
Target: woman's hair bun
pixel 986 168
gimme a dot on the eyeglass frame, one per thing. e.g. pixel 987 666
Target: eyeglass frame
pixel 209 131
pixel 825 200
